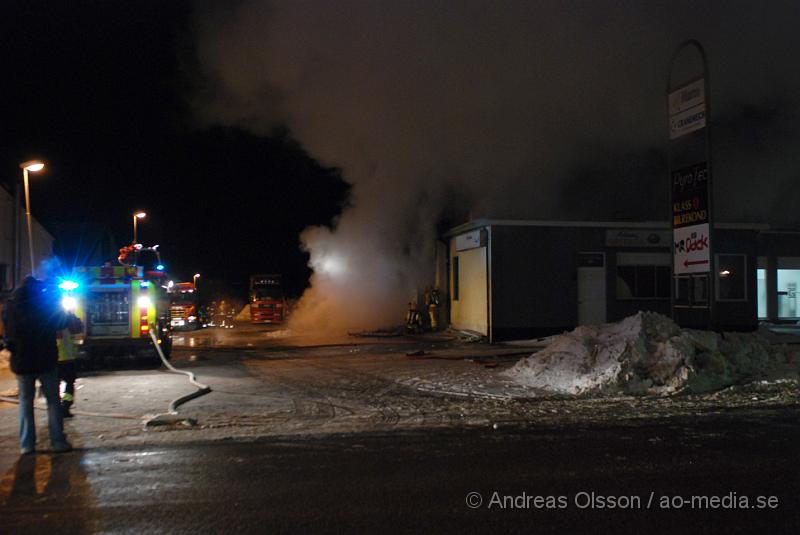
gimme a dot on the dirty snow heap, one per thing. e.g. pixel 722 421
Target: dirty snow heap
pixel 646 353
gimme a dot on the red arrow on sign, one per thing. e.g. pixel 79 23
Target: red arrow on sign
pixel 687 263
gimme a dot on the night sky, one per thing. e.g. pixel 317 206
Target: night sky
pixel 359 129
pixel 102 92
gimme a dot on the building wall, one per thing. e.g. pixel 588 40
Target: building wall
pixel 534 280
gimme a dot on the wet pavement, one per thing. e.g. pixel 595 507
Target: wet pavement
pixel 720 474
pixel 386 433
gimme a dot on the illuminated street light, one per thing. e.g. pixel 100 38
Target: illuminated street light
pixel 136 216
pixel 32 166
pixel 194 279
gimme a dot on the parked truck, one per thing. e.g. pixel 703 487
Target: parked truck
pixel 185 311
pixel 267 302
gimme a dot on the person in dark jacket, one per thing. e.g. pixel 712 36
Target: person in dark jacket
pixel 32 316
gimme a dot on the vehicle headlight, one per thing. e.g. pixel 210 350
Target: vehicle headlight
pixel 68 285
pixel 69 303
pixel 144 301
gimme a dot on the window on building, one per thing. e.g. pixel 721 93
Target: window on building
pixel 691 291
pixel 643 276
pixel 761 288
pixel 731 277
pixel 700 290
pixel 788 283
pixel 455 278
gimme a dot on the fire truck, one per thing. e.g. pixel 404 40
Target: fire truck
pixel 185 307
pixel 119 306
pixel 267 303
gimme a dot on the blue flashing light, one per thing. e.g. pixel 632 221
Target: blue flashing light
pixel 160 267
pixel 144 284
pixel 68 285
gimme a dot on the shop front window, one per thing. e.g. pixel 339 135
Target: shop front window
pixel 643 276
pixel 788 283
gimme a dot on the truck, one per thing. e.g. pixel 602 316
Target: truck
pixel 185 313
pixel 267 302
pixel 119 306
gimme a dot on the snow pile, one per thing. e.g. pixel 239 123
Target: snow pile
pixel 244 314
pixel 645 353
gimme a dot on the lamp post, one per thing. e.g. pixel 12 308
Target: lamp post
pixel 137 215
pixel 32 166
pixel 194 280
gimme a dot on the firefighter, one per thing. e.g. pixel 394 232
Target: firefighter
pixel 432 303
pixel 67 368
pixel 413 318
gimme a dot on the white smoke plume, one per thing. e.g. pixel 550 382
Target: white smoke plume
pixel 493 102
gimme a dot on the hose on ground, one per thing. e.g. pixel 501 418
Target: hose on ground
pixel 78 412
pixel 202 389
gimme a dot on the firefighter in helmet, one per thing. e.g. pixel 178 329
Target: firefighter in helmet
pixel 413 318
pixel 67 368
pixel 432 304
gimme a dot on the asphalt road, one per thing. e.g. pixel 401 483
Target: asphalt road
pixel 420 481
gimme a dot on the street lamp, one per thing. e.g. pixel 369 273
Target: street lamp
pixel 32 166
pixel 137 215
pixel 194 280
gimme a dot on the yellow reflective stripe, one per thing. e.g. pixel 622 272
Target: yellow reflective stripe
pixel 151 311
pixel 134 317
pixel 67 397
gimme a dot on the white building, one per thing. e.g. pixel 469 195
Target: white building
pixel 42 241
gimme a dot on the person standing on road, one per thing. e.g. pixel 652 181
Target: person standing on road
pixel 67 367
pixel 32 316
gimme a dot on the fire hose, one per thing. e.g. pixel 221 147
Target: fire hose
pixel 169 416
pixel 165 418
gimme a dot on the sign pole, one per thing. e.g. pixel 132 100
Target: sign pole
pixel 691 190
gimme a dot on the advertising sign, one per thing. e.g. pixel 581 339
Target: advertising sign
pixel 691 249
pixel 690 196
pixel 687 109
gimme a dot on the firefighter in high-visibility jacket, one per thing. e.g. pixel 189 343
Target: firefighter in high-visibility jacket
pixel 432 304
pixel 67 368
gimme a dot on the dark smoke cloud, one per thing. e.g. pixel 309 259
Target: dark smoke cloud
pixel 518 109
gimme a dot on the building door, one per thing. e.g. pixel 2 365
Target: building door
pixel 468 290
pixel 591 288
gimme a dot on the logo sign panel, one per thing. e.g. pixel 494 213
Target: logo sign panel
pixel 637 238
pixel 691 249
pixel 470 240
pixel 687 109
